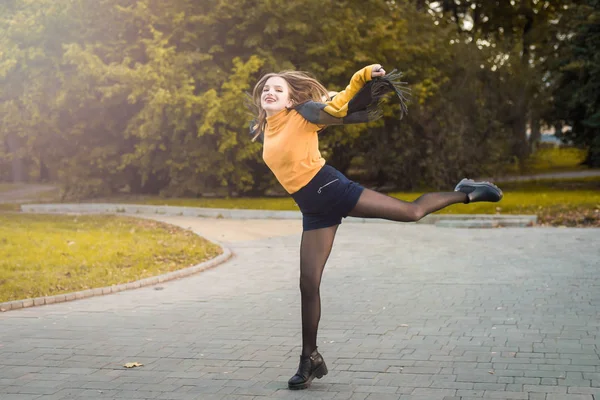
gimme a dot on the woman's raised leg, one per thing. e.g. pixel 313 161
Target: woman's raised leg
pixel 372 204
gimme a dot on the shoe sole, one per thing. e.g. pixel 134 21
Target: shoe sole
pixel 319 373
pixel 464 180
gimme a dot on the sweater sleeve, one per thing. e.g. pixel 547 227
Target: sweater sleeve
pixel 338 106
pixel 359 102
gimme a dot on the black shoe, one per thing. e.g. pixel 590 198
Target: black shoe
pixel 310 367
pixel 479 191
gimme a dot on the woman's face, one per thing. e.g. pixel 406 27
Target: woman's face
pixel 275 95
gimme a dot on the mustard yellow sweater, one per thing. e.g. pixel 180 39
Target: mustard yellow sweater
pixel 291 144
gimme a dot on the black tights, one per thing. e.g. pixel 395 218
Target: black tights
pixel 316 247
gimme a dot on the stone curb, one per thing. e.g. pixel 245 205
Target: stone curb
pixel 153 280
pixel 484 223
pixel 441 220
pixel 502 220
pixel 468 224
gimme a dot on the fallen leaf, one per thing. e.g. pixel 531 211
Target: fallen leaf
pixel 132 365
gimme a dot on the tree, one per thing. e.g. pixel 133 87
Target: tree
pixel 577 91
pixel 147 96
pixel 525 35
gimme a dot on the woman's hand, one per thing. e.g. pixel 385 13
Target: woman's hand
pixel 377 71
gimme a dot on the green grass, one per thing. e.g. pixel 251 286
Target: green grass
pixel 546 198
pixel 52 254
pixel 252 203
pixel 519 197
pixel 566 202
pixel 526 202
pixel 10 207
pixel 48 196
pixel 588 183
pixel 7 187
pixel 557 157
pixel 551 159
pixel 44 255
pixel 533 197
pixel 557 202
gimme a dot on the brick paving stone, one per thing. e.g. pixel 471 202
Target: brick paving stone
pixel 20 397
pixel 490 394
pixel 537 396
pixel 410 312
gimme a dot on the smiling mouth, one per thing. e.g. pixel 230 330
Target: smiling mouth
pixel 270 100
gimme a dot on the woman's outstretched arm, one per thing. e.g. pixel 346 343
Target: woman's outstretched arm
pixel 335 111
pixel 338 106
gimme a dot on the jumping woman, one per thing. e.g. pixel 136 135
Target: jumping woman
pixel 292 108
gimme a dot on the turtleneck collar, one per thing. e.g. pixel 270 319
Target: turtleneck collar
pixel 276 122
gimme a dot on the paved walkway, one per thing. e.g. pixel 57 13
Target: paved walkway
pixel 550 175
pixel 410 312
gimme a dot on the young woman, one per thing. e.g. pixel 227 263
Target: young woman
pixel 291 112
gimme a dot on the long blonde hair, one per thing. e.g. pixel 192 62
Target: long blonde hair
pixel 302 86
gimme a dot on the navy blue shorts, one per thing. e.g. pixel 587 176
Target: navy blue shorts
pixel 326 199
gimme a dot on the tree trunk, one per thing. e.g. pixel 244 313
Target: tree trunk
pixel 593 157
pixel 18 166
pixel 451 6
pixel 341 158
pixel 154 184
pixel 558 126
pixel 44 172
pixel 536 133
pixel 520 146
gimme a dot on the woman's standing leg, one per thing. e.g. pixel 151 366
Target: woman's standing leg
pixel 314 251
